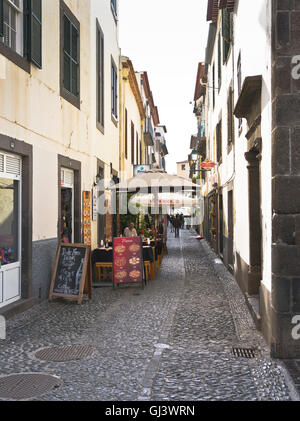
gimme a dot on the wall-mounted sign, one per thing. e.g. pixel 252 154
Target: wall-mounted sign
pixel 95 207
pixel 207 164
pixel 140 169
pixel 87 231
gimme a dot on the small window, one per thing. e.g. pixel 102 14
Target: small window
pixel 219 141
pixel 13 26
pixel 132 143
pixel 114 8
pixel 71 62
pixel 214 85
pixel 100 77
pixel 219 62
pixel 137 148
pixel 126 134
pixel 230 118
pixel 70 57
pixel 226 32
pixel 183 167
pixel 239 83
pixel 114 90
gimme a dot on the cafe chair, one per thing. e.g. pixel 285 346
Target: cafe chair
pixel 147 270
pixel 99 266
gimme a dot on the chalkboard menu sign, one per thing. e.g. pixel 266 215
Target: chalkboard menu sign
pixel 72 273
pixel 128 261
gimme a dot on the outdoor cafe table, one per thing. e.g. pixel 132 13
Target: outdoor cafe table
pixel 102 255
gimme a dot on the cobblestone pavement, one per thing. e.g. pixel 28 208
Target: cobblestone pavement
pixel 169 341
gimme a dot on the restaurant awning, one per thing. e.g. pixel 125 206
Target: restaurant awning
pixel 156 179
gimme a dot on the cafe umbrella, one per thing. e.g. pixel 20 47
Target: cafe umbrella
pixel 156 179
pixel 159 189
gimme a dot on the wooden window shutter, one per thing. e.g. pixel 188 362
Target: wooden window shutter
pixel 230 116
pixel 226 25
pixel 126 134
pixel 35 32
pixel 132 143
pixel 1 18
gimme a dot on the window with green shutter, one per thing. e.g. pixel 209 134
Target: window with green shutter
pixel 100 77
pixel 114 90
pixel 226 33
pixel 21 31
pixel 71 63
pixel 69 55
pixel 114 8
pixel 35 32
pixel 1 18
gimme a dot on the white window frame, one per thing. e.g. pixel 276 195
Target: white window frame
pixel 16 177
pixel 70 186
pixel 19 26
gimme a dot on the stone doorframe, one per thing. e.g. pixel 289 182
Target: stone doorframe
pixel 249 106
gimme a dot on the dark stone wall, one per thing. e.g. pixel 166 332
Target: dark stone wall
pixel 241 270
pixel 43 256
pixel 284 300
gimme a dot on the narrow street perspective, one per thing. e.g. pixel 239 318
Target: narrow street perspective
pixel 149 202
pixel 172 340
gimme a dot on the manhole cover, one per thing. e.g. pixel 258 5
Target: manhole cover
pixel 245 352
pixel 66 353
pixel 26 386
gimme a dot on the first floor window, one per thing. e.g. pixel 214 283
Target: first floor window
pixel 114 90
pixel 114 7
pixel 230 122
pixel 71 57
pixel 100 75
pixel 21 31
pixel 13 25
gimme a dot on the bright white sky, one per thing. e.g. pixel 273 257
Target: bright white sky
pixel 167 38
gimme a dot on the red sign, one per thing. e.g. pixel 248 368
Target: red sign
pixel 207 164
pixel 128 260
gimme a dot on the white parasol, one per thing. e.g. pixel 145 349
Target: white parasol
pixel 156 179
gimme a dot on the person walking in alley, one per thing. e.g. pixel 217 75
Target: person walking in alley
pixel 177 225
pixel 172 219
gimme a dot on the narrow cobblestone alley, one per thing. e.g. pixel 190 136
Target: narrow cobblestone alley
pixel 171 341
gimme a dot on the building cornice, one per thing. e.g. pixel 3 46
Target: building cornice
pixel 127 64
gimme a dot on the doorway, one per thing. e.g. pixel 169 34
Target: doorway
pixel 10 228
pixel 221 222
pixel 67 206
pixel 255 230
pixel 230 230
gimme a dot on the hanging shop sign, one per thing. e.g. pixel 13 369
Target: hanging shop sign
pixel 87 231
pixel 94 205
pixel 140 169
pixel 72 275
pixel 207 164
pixel 128 261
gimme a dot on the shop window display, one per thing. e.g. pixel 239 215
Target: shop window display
pixel 9 221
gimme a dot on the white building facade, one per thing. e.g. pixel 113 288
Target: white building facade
pixel 251 132
pixel 58 133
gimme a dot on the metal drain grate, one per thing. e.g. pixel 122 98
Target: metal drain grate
pixel 26 386
pixel 66 353
pixel 245 352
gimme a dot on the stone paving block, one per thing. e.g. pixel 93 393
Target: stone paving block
pixel 193 306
